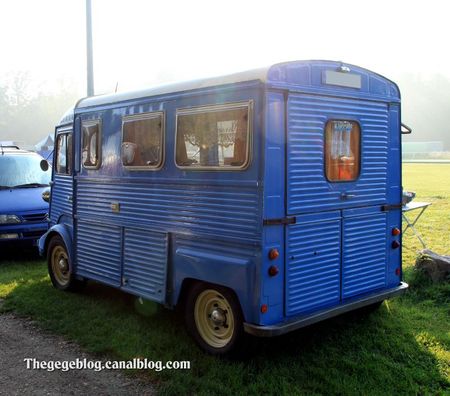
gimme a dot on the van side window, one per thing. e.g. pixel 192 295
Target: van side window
pixel 342 150
pixel 142 140
pixel 63 162
pixel 91 144
pixel 214 137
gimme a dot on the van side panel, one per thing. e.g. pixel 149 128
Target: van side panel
pixel 154 229
pixel 98 252
pixel 145 255
pixel 230 264
pixel 61 208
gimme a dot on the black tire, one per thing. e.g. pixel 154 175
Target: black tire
pixel 214 318
pixel 60 266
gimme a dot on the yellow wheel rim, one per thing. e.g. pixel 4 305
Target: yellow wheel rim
pixel 214 318
pixel 60 265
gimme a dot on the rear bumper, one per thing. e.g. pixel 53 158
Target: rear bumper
pixel 306 320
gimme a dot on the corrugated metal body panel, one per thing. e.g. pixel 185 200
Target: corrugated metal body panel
pixel 308 190
pixel 62 191
pixel 145 263
pixel 239 253
pixel 99 249
pixel 364 254
pixel 313 260
pixel 217 261
pixel 226 211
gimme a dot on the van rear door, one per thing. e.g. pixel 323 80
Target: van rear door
pixel 341 164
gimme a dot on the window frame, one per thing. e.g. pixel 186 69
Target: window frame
pixel 325 149
pixel 217 108
pixel 139 117
pixel 64 132
pixel 88 123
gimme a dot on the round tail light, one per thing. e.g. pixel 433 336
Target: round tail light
pixel 273 254
pixel 273 270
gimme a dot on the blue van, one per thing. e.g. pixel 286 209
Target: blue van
pixel 23 213
pixel 260 202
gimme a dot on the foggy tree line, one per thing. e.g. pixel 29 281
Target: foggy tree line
pixel 425 107
pixel 29 112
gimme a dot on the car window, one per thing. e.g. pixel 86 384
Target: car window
pixel 63 160
pixel 342 150
pixel 91 144
pixel 142 137
pixel 22 169
pixel 213 137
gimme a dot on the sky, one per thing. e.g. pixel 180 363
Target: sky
pixel 143 43
pixel 140 43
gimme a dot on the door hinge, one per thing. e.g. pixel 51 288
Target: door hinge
pixel 283 221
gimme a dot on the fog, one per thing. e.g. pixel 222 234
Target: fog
pixel 141 43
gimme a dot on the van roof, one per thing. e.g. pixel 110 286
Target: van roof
pixel 250 75
pixel 288 72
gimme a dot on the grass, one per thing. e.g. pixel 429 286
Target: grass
pixel 403 348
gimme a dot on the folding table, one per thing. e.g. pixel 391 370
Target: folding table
pixel 419 208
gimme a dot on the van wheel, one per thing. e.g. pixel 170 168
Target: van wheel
pixel 59 266
pixel 214 318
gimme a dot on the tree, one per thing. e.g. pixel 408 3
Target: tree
pixel 29 114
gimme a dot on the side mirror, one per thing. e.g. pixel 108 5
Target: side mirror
pixel 46 195
pixel 44 165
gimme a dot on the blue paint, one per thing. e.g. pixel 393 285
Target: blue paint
pixel 22 183
pixel 172 226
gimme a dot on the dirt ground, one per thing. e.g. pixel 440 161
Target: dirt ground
pixel 20 339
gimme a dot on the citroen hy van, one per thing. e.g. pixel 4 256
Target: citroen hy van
pixel 260 202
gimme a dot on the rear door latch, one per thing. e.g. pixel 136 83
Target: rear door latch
pixel 282 221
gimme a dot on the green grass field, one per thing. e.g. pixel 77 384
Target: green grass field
pixel 403 348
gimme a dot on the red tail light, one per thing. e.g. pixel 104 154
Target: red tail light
pixel 273 270
pixel 396 231
pixel 273 254
pixel 395 245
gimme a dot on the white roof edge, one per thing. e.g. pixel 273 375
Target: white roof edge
pixel 250 75
pixel 67 116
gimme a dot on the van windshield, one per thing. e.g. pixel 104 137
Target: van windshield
pixel 22 171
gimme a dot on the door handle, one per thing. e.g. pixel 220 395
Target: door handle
pixel 70 198
pixel 345 195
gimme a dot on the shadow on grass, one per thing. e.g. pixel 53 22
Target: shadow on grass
pixel 14 253
pixel 352 354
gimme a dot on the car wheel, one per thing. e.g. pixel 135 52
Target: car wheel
pixel 60 267
pixel 214 318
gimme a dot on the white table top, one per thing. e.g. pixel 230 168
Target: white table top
pixel 415 205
